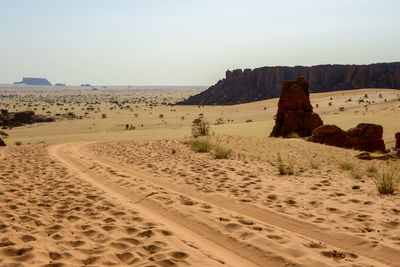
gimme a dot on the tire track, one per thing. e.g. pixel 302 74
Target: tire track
pixel 223 247
pixel 380 253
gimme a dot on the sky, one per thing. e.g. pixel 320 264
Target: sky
pixel 188 42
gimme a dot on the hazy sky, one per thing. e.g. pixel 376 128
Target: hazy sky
pixel 186 42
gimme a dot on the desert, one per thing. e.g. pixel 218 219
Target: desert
pixel 90 189
pixel 171 133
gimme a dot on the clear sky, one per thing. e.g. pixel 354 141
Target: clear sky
pixel 188 42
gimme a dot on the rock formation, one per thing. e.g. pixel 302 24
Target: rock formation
pixel 2 142
pixel 365 136
pixel 34 81
pixel 295 113
pixel 329 135
pixel 264 83
pixel 397 136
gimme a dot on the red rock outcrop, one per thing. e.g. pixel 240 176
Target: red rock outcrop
pixel 265 83
pixel 397 140
pixel 329 135
pixel 295 113
pixel 2 142
pixel 366 137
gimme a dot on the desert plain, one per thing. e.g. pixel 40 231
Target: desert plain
pixel 114 181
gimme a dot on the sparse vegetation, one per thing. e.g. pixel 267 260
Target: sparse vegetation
pixel 173 151
pixel 356 174
pixel 3 134
pixel 355 187
pixel 371 171
pixel 314 165
pixel 388 181
pixel 18 143
pixel 200 145
pixel 346 166
pixel 200 127
pixel 284 168
pixel 220 152
pixel 293 135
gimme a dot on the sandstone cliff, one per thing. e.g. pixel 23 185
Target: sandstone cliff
pixel 263 83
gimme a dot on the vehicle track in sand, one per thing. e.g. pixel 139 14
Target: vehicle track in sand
pixel 179 225
pixel 83 162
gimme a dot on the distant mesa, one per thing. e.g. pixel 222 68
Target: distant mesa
pixel 242 86
pixel 59 84
pixel 34 81
pixel 85 84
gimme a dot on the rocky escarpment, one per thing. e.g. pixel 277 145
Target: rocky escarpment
pixel 34 81
pixel 263 83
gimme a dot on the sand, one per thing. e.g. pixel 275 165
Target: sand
pixel 122 197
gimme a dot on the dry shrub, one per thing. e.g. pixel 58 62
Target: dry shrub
pixel 200 145
pixel 388 181
pixel 200 127
pixel 220 152
pixel 284 168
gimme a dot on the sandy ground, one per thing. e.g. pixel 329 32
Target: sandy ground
pixel 120 203
pixel 151 201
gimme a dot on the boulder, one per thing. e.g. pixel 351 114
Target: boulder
pixel 329 135
pixel 366 137
pixel 397 140
pixel 295 112
pixel 2 142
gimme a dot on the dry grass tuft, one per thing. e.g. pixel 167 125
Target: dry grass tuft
pixel 220 152
pixel 388 181
pixel 284 168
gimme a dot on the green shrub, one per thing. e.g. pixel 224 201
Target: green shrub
pixel 18 143
pixel 388 181
pixel 200 145
pixel 222 153
pixel 355 187
pixel 284 169
pixel 173 151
